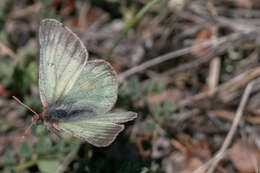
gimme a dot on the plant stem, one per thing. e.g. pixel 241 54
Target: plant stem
pixel 68 159
pixel 25 165
pixel 129 25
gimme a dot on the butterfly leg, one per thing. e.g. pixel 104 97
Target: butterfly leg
pixel 35 118
pixel 55 129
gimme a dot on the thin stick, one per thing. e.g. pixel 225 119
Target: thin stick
pixel 62 168
pixel 25 11
pixel 204 167
pixel 7 51
pixel 175 54
pixel 232 131
pixel 214 73
pixel 130 25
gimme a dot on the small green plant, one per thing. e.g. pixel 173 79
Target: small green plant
pixel 162 111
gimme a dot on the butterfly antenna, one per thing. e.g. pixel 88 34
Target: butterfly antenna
pixel 34 120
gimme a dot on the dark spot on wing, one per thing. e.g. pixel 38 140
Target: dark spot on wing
pixel 59 114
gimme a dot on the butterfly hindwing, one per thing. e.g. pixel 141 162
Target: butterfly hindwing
pixel 62 58
pixel 99 130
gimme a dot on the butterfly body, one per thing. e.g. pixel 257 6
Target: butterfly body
pixel 54 115
pixel 77 94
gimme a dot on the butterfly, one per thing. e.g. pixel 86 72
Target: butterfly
pixel 76 94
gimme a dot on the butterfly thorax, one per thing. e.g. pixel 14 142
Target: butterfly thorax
pixel 54 115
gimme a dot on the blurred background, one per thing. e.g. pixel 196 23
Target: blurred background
pixel 183 66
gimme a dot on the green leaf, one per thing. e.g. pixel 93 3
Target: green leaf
pixel 6 72
pixel 134 88
pixel 9 157
pixel 32 72
pixel 46 2
pixel 5 6
pixel 33 101
pixel 43 145
pixel 12 171
pixel 48 12
pixel 48 166
pixel 161 86
pixel 40 130
pixel 60 145
pixel 144 170
pixel 26 151
pixel 161 112
pixel 34 130
pixel 150 87
pixel 150 127
pixel 168 107
pixel 75 144
pixel 5 127
pixel 129 167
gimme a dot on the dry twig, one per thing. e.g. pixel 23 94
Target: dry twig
pixel 232 131
pixel 212 42
pixel 221 89
pixel 4 50
pixel 25 11
pixel 214 74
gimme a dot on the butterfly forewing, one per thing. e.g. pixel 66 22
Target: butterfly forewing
pixel 95 89
pixel 62 57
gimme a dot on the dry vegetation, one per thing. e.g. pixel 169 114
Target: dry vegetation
pixel 190 68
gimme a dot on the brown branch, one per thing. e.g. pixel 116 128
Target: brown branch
pixel 175 54
pixel 233 129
